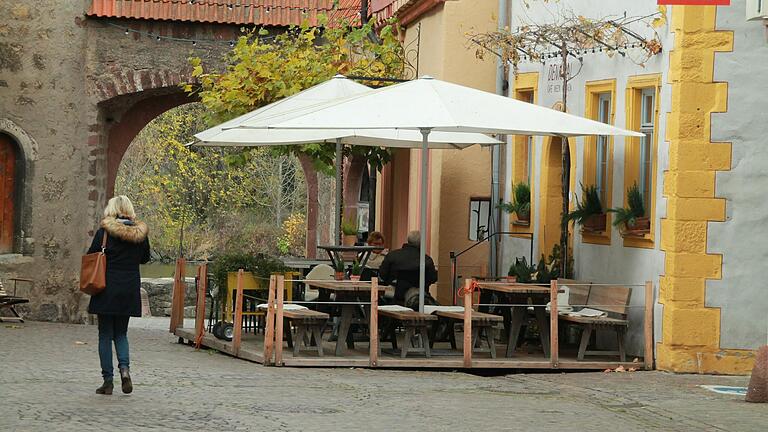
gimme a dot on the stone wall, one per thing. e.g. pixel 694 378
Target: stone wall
pixel 74 91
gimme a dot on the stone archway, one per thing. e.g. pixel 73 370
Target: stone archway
pixel 24 150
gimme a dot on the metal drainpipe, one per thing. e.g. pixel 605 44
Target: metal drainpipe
pixel 501 84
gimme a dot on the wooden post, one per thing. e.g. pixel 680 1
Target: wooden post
pixel 237 333
pixel 648 326
pixel 373 327
pixel 467 324
pixel 269 333
pixel 202 285
pixel 174 298
pixel 177 301
pixel 279 321
pixel 554 353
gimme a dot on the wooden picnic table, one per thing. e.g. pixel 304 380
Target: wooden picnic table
pixel 347 291
pixel 522 294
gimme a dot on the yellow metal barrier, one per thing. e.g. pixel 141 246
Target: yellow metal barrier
pixel 251 283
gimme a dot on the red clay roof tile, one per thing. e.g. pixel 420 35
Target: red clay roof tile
pixel 258 12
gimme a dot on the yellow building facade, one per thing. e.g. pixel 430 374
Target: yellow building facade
pixel 694 100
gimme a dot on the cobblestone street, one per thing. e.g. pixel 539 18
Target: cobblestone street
pixel 48 374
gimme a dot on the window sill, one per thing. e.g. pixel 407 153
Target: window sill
pixel 596 237
pixel 638 239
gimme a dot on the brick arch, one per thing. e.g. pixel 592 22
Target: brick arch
pixel 132 121
pixel 120 82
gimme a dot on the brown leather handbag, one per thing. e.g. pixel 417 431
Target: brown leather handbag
pixel 93 270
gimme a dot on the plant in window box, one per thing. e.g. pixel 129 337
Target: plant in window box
pixel 349 229
pixel 589 211
pixel 357 270
pixel 520 205
pixel 339 275
pixel 632 218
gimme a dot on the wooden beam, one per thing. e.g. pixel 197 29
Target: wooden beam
pixel 202 286
pixel 467 324
pixel 373 327
pixel 554 353
pixel 648 326
pixel 174 297
pixel 269 332
pixel 279 321
pixel 237 333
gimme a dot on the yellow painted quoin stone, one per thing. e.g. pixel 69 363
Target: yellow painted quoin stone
pixel 690 330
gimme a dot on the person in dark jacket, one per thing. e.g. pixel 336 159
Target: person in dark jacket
pixel 127 247
pixel 401 269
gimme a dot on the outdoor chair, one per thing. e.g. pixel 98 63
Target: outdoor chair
pixel 7 302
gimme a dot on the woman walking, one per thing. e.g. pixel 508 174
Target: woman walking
pixel 127 246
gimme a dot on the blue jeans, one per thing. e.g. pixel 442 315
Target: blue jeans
pixel 113 328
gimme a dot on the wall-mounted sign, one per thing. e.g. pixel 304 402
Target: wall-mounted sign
pixel 696 2
pixel 555 77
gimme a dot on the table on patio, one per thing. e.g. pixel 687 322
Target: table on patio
pixel 347 293
pixel 362 253
pixel 521 294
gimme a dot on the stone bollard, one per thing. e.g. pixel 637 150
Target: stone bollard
pixel 758 384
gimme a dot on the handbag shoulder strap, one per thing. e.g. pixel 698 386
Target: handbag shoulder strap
pixel 104 241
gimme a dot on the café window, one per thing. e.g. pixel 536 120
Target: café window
pixel 479 218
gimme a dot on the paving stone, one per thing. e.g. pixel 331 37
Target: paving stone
pixel 48 378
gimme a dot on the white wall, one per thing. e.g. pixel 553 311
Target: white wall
pixel 604 263
pixel 743 237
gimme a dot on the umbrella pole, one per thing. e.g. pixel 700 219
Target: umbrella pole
pixel 423 217
pixel 339 211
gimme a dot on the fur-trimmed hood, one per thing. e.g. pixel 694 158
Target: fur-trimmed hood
pixel 135 233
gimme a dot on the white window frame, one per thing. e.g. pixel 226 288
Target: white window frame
pixel 647 127
pixel 601 162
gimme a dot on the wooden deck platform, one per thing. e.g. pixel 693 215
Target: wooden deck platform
pixel 271 349
pixel 252 349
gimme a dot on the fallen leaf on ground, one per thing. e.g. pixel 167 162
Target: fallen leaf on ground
pixel 631 370
pixel 636 360
pixel 609 370
pixel 620 369
pixel 13 327
pixel 81 343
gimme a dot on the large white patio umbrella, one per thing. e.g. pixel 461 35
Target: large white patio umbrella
pixel 231 134
pixel 430 105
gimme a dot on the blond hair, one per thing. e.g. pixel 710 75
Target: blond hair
pixel 119 206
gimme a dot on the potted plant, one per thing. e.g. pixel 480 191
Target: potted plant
pixel 523 272
pixel 633 217
pixel 339 275
pixel 511 274
pixel 357 270
pixel 349 229
pixel 520 205
pixel 589 211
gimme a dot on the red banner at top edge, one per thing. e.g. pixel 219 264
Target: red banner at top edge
pixel 696 2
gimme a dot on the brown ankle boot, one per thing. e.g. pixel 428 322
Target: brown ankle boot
pixel 125 378
pixel 106 388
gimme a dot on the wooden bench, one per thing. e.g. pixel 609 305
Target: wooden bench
pixel 483 324
pixel 613 300
pixel 309 325
pixel 413 322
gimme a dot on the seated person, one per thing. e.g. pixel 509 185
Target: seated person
pixel 371 269
pixel 400 268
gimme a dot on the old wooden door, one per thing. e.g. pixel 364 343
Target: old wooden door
pixel 7 188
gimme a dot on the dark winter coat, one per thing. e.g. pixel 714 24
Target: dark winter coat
pixel 127 247
pixel 401 267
